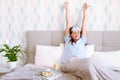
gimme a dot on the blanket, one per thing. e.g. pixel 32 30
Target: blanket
pixel 29 71
pixel 89 69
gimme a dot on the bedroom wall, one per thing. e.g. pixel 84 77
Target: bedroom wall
pixel 19 16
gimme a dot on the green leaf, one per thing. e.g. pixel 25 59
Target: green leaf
pixel 6 46
pixel 2 50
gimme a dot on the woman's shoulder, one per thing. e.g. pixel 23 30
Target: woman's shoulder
pixel 83 39
pixel 67 38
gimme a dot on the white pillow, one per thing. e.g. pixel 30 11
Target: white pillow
pixel 47 55
pixel 90 49
pixel 109 58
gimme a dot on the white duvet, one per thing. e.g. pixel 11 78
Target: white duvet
pixel 90 69
pixel 26 72
pixel 85 69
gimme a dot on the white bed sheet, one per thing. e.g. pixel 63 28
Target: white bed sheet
pixel 27 73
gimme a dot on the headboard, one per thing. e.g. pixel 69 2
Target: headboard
pixel 103 40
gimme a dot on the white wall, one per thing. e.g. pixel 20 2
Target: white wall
pixel 19 16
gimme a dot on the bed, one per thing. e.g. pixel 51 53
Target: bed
pixel 103 41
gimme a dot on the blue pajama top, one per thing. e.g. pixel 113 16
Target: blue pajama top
pixel 74 50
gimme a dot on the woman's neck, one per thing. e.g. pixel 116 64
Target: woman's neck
pixel 75 40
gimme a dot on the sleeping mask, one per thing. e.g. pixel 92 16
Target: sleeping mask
pixel 75 28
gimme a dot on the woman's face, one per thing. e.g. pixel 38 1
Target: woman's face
pixel 75 35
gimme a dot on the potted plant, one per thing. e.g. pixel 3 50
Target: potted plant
pixel 12 54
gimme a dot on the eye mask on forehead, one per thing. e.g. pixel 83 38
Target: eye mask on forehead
pixel 76 29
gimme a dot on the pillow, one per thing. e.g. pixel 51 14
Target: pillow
pixel 109 58
pixel 48 55
pixel 90 49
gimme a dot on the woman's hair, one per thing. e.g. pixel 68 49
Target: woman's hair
pixel 70 32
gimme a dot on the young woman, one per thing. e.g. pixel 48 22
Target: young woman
pixel 74 57
pixel 75 36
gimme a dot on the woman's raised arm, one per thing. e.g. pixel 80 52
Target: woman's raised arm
pixel 83 28
pixel 66 4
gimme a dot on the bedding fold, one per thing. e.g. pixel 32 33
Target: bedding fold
pixel 89 69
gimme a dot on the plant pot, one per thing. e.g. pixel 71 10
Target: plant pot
pixel 13 64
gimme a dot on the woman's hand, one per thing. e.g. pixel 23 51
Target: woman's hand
pixel 66 4
pixel 86 6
